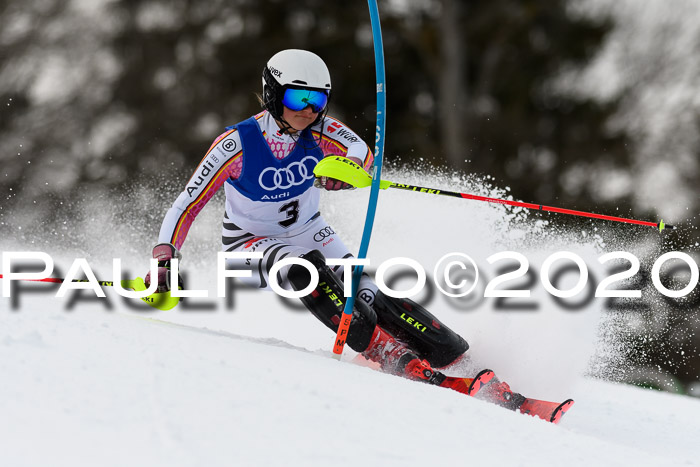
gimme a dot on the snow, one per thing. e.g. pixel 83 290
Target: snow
pixel 89 381
pixel 94 387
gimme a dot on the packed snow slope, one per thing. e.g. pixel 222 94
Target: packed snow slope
pixel 88 388
pixel 249 381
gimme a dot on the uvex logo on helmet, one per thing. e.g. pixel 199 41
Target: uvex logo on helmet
pixel 295 174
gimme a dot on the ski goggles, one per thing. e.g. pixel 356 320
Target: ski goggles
pixel 299 99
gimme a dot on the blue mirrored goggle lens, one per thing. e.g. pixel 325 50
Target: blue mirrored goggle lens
pixel 299 99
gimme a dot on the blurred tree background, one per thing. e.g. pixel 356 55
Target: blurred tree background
pixel 588 105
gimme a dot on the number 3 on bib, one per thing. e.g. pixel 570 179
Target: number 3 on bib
pixel 292 211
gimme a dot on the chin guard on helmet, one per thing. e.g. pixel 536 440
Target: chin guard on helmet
pixel 271 90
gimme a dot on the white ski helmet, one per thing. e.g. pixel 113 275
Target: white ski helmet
pixel 296 69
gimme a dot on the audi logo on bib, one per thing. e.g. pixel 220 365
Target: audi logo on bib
pixel 323 234
pixel 295 174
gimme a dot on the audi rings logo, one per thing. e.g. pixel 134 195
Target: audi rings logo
pixel 294 174
pixel 323 234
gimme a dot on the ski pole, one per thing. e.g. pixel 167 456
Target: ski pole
pixel 343 169
pixel 57 280
pixel 344 325
pixel 160 300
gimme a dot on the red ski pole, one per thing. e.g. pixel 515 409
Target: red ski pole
pixel 342 168
pixel 58 280
pixel 538 207
pixel 160 300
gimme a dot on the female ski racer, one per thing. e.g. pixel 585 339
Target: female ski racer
pixel 265 164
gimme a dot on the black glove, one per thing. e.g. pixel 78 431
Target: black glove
pixel 164 252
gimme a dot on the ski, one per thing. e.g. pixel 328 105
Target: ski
pixel 468 386
pixel 496 392
pixel 549 411
pixel 499 393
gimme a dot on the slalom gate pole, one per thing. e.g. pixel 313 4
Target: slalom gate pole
pixel 347 171
pixel 344 325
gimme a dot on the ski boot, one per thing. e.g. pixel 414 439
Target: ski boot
pixel 395 358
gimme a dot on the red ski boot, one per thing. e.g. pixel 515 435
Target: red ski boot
pixel 397 359
pixel 394 357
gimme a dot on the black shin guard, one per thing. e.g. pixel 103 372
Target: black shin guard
pixel 419 330
pixel 326 301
